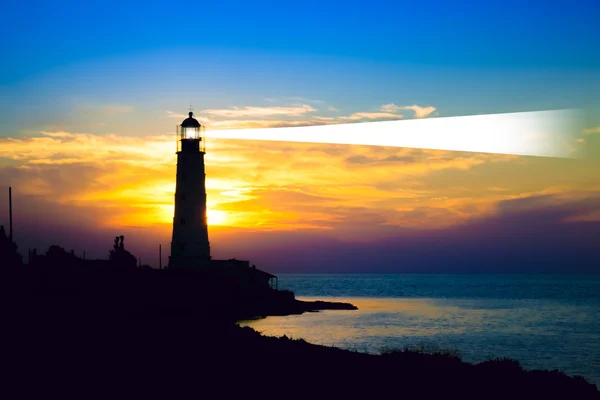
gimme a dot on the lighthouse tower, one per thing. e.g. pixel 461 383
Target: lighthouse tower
pixel 189 245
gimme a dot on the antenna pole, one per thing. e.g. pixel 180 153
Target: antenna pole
pixel 10 211
pixel 160 256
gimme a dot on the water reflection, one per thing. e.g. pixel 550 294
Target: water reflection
pixel 540 334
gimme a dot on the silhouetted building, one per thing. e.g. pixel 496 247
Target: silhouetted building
pixel 189 245
pixel 244 274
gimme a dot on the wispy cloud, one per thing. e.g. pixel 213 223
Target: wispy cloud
pixel 113 182
pixel 284 116
pixel 261 123
pixel 124 172
pixel 387 112
pixel 240 112
pixel 176 115
pixel 371 116
pixel 390 108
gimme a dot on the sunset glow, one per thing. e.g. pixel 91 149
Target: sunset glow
pixel 345 192
pixel 344 145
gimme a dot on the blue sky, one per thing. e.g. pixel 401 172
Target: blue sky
pixel 461 57
pixel 44 35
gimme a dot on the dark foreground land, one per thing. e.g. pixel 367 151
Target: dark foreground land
pixel 137 334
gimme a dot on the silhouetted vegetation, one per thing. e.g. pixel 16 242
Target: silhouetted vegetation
pixel 121 257
pixel 424 349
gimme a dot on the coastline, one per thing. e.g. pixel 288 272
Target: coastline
pixel 82 326
pixel 478 329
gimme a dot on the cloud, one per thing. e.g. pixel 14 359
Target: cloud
pixel 527 235
pixel 390 108
pixel 371 115
pixel 140 170
pixel 419 112
pixel 253 124
pixel 175 115
pixel 388 112
pixel 263 117
pixel 391 159
pixel 239 112
pixel 591 131
pixel 308 194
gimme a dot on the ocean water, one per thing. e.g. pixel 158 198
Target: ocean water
pixel 543 321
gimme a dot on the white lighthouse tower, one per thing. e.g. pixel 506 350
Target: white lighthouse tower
pixel 189 245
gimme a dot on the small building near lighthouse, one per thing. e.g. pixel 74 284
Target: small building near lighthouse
pixel 190 246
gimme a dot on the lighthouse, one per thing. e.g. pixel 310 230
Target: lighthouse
pixel 189 244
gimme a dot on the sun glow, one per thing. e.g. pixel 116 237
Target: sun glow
pixel 217 217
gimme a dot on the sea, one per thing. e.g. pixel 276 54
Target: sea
pixel 543 321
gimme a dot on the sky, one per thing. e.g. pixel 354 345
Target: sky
pixel 90 94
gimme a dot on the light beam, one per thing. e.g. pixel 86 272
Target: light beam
pixel 538 133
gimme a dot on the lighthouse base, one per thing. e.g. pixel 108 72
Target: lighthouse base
pixel 187 262
pixel 233 270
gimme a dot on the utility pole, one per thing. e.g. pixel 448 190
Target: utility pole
pixel 160 256
pixel 10 212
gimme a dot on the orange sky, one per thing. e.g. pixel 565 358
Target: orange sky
pixel 112 183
